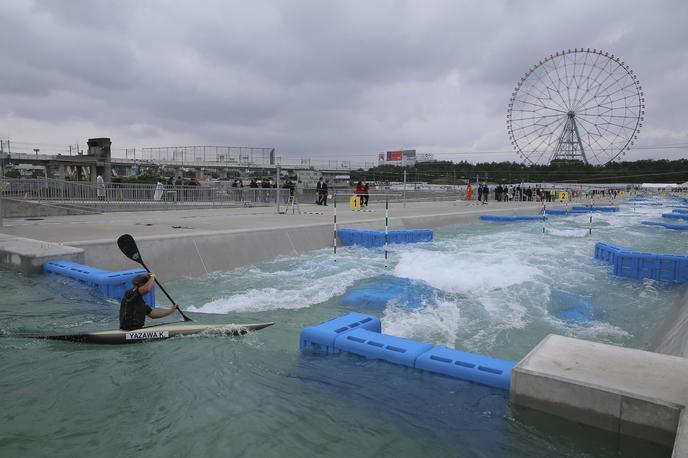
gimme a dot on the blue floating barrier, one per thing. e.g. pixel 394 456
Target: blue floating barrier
pixel 467 366
pixel 675 215
pixel 321 337
pixel 679 210
pixel 111 284
pixel 360 334
pixel 374 345
pixel 512 218
pixel 676 227
pixel 373 239
pixel 564 212
pixel 594 208
pixel 572 307
pixel 638 265
pixel 376 293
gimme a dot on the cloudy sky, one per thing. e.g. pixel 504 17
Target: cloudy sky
pixel 324 79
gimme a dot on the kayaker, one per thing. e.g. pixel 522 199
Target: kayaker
pixel 133 309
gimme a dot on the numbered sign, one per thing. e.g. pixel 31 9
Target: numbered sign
pixel 355 203
pixel 563 195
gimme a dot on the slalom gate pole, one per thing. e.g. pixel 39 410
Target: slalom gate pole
pixel 386 226
pixel 544 215
pixel 334 238
pixel 590 222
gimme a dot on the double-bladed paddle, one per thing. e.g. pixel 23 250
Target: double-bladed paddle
pixel 128 246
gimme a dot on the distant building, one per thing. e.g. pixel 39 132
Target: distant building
pixel 426 157
pixel 399 158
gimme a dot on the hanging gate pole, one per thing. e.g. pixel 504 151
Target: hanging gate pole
pixel 386 226
pixel 334 238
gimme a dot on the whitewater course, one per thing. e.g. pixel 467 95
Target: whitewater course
pixel 479 330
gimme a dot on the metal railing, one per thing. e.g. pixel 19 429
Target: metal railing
pixel 132 197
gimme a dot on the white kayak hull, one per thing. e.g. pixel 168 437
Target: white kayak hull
pixel 158 332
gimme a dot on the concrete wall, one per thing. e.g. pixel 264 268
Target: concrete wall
pixel 671 337
pixel 13 208
pixel 194 255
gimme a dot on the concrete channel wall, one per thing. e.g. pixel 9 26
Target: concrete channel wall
pixel 197 254
pixel 671 337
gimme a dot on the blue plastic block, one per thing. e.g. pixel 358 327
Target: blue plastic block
pixel 595 208
pixel 377 292
pixel 372 345
pixel 675 227
pixel 321 337
pixel 112 284
pixel 373 239
pixel 346 236
pixel 563 212
pixel 575 308
pixel 73 270
pixel 675 215
pixel 607 252
pixel 467 366
pixel 511 218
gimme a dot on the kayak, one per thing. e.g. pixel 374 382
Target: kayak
pixel 157 332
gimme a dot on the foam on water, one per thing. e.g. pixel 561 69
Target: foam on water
pixel 485 287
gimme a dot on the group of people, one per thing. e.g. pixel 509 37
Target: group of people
pixel 508 193
pixel 363 193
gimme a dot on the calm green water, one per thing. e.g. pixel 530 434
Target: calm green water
pixel 481 287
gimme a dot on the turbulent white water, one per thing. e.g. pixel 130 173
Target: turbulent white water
pixel 490 284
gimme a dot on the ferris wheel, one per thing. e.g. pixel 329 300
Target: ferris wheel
pixel 577 105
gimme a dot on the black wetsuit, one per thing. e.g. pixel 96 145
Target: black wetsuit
pixel 133 310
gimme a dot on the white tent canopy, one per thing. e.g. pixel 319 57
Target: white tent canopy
pixel 660 185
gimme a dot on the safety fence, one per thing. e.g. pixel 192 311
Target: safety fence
pixel 130 197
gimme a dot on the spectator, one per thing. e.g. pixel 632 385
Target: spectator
pixel 324 193
pixel 100 188
pixel 366 194
pixel 159 191
pixel 318 192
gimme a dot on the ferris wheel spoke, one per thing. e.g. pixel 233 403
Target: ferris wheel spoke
pixel 558 84
pixel 540 105
pixel 538 117
pixel 537 127
pixel 547 91
pixel 632 84
pixel 550 139
pixel 577 81
pixel 539 135
pixel 610 85
pixel 595 89
pixel 589 138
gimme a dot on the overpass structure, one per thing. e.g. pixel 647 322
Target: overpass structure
pixel 220 161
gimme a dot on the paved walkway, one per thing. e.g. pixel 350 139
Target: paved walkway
pixel 108 226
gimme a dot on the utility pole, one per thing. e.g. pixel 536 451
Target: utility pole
pixel 404 188
pixel 278 189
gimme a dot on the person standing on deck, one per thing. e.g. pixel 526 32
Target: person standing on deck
pixel 324 193
pixel 469 191
pixel 318 191
pixel 100 188
pixel 133 308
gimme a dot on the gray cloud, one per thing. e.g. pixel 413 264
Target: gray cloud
pixel 315 78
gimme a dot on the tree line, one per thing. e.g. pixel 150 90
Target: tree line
pixel 446 172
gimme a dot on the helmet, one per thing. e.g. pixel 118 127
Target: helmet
pixel 140 279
